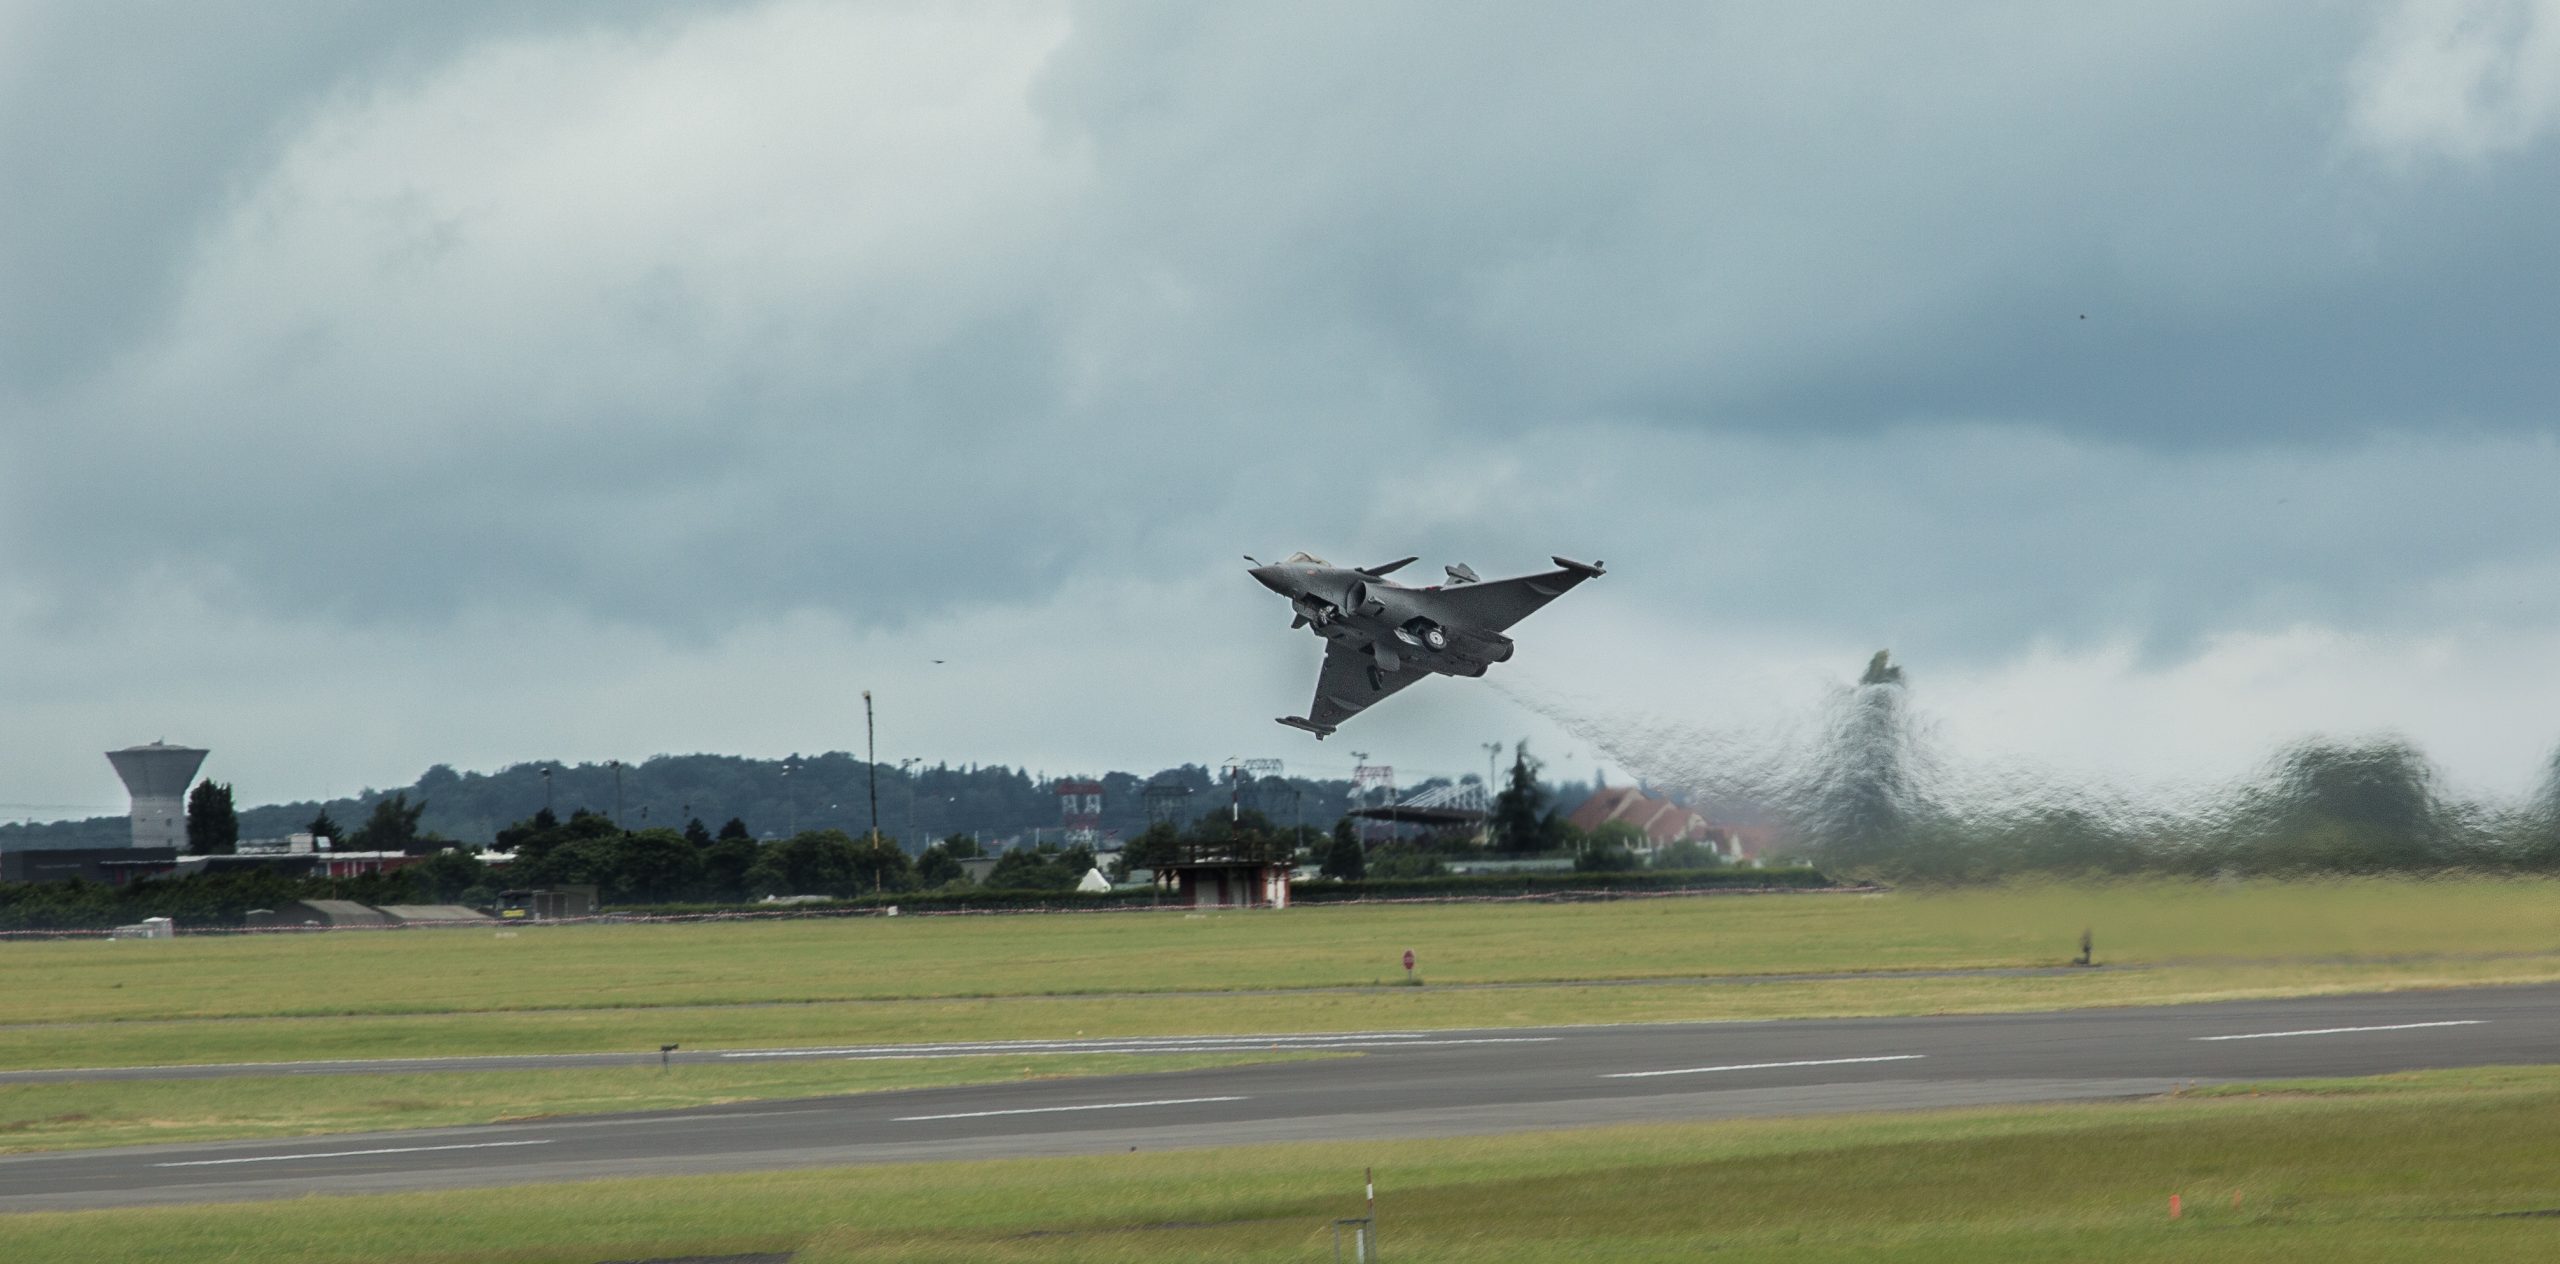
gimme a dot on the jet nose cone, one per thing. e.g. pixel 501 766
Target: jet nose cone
pixel 1270 577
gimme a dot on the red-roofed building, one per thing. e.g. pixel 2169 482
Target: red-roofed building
pixel 1663 821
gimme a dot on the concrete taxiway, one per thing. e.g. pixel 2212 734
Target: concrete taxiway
pixel 1400 1084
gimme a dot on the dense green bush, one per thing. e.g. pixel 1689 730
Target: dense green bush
pixel 204 900
pixel 1511 884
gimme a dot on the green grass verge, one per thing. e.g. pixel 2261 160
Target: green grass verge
pixel 631 988
pixel 578 989
pixel 138 1043
pixel 608 967
pixel 104 1113
pixel 2441 1165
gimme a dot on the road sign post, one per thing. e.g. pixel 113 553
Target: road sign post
pixel 1408 965
pixel 1364 1229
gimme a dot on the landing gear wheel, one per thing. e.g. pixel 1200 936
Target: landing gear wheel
pixel 1434 637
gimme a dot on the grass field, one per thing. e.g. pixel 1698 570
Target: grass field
pixel 605 988
pixel 2440 1165
pixel 882 959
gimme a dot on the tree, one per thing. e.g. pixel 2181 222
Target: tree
pixel 652 867
pixel 444 876
pixel 1158 847
pixel 1034 870
pixel 512 838
pixel 736 828
pixel 880 864
pixel 937 867
pixel 213 825
pixel 696 833
pixel 1520 811
pixel 1078 860
pixel 764 877
pixel 533 843
pixel 326 826
pixel 964 847
pixel 646 867
pixel 392 827
pixel 1610 848
pixel 589 861
pixel 725 865
pixel 815 862
pixel 1345 858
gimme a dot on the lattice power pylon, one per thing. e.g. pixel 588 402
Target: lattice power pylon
pixel 1168 803
pixel 1368 779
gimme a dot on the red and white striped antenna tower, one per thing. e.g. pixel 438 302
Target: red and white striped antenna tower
pixel 1080 810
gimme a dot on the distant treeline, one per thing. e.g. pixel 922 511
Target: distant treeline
pixel 696 865
pixel 776 798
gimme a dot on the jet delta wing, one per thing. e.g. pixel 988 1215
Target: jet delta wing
pixel 1350 682
pixel 1381 636
pixel 1495 606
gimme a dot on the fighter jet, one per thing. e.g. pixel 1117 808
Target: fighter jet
pixel 1381 636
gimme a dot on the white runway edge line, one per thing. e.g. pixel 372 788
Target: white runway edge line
pixel 349 1154
pixel 2340 1031
pixel 1764 1066
pixel 1285 1044
pixel 1052 1110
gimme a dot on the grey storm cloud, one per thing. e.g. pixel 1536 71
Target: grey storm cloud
pixel 1829 218
pixel 126 126
pixel 1830 313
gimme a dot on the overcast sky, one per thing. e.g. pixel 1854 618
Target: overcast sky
pixel 390 384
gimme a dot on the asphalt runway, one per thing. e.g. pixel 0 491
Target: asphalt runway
pixel 1400 1084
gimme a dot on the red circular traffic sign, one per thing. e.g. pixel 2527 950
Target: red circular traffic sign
pixel 1408 958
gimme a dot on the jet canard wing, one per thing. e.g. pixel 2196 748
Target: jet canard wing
pixel 1350 683
pixel 1495 605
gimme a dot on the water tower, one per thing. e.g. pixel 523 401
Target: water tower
pixel 158 775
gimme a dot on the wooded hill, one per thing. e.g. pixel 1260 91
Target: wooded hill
pixel 776 798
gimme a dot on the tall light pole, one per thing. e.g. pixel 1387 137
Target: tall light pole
pixel 1492 753
pixel 1359 791
pixel 871 761
pixel 546 790
pixel 790 798
pixel 909 778
pixel 617 792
